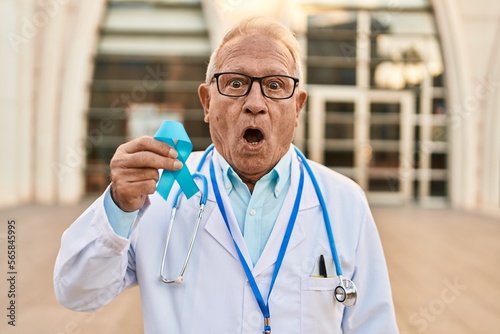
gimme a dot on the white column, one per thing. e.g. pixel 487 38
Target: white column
pixel 9 193
pixel 79 63
pixel 53 29
pixel 469 138
pixel 491 135
pixel 25 87
pixel 491 158
pixel 462 159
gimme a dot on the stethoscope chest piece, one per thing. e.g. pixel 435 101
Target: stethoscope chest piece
pixel 346 292
pixel 203 200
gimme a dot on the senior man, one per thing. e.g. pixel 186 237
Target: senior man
pixel 242 277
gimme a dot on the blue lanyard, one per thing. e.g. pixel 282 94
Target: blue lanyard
pixel 326 219
pixel 263 304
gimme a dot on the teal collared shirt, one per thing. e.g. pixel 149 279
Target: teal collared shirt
pixel 257 212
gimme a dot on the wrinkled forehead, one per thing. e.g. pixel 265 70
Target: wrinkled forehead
pixel 255 52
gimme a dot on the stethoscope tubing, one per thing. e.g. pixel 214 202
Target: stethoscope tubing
pixel 326 218
pixel 345 292
pixel 203 200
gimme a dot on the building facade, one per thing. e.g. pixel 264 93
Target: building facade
pixel 404 96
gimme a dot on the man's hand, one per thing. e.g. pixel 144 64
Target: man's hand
pixel 134 170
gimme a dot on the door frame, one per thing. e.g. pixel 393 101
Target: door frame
pixel 319 95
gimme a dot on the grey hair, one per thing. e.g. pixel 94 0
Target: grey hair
pixel 262 26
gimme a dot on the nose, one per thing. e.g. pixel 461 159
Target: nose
pixel 255 101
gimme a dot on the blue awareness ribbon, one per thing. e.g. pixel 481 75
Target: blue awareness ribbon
pixel 173 134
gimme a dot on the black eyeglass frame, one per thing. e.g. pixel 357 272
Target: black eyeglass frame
pixel 259 79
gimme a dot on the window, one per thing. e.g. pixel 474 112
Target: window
pixel 365 61
pixel 151 58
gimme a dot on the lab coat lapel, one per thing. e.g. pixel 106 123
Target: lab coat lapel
pixel 270 253
pixel 216 226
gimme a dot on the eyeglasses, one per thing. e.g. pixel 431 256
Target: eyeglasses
pixel 277 87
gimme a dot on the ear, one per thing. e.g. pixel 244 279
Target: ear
pixel 300 102
pixel 204 95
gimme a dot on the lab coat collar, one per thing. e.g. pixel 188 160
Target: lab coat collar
pixel 216 227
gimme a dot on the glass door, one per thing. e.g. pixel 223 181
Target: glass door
pixel 376 110
pixel 366 135
pixel 389 161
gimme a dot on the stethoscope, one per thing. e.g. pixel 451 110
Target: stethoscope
pixel 203 200
pixel 345 292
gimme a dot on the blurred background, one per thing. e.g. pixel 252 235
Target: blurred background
pixel 404 98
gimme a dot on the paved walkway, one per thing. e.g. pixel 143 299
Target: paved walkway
pixel 444 267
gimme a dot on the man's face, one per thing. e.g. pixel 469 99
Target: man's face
pixel 252 132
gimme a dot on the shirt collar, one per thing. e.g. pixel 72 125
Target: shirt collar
pixel 280 173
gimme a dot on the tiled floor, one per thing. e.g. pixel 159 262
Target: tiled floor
pixel 444 267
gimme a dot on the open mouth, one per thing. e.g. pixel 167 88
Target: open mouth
pixel 253 136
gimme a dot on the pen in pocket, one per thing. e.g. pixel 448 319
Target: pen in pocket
pixel 322 266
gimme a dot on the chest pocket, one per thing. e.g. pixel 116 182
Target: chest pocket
pixel 320 312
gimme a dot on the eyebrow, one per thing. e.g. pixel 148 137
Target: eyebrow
pixel 266 72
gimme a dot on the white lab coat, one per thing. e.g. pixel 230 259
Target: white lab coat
pixel 94 265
